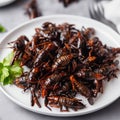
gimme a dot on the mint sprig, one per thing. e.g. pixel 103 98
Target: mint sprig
pixel 8 72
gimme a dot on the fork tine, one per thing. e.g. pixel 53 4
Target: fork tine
pixel 92 11
pixel 100 10
pixel 98 15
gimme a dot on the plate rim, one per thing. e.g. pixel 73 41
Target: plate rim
pixel 64 114
pixel 4 3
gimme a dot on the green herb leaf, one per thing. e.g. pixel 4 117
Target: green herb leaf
pixel 2 29
pixel 8 72
pixel 7 81
pixel 7 60
pixel 4 74
pixel 1 66
pixel 16 70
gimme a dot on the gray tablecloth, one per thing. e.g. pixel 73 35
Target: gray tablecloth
pixel 13 15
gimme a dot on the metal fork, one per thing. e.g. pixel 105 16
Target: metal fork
pixel 96 11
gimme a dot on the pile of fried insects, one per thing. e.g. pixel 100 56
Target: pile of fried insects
pixel 64 62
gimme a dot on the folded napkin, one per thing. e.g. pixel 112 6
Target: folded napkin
pixel 112 11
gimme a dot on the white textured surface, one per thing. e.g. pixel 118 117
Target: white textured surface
pixel 13 15
pixel 111 9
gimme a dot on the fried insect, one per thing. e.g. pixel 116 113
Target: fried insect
pixel 62 61
pixel 18 47
pixel 34 98
pixel 53 80
pixel 42 54
pixel 61 101
pixel 80 87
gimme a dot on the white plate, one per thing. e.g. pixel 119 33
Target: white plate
pixel 5 2
pixel 107 36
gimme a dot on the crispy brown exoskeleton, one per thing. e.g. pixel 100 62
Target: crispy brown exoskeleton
pixel 61 101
